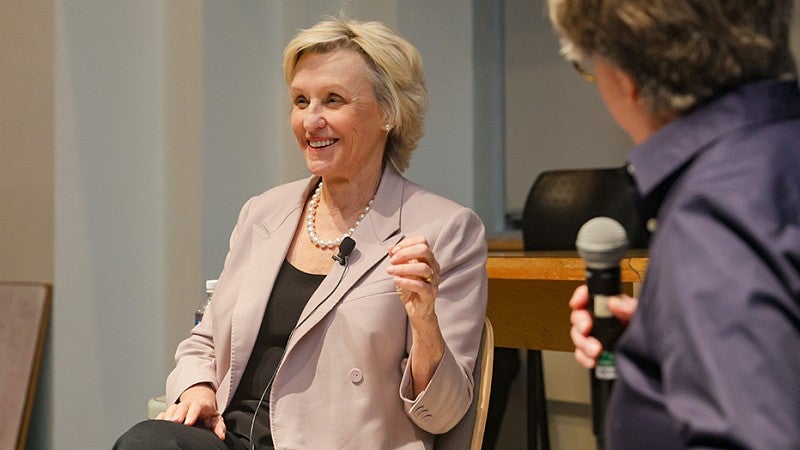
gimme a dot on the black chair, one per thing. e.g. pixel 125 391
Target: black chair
pixel 558 204
pixel 561 201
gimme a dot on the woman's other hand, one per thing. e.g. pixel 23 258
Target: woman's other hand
pixel 587 348
pixel 416 277
pixel 198 405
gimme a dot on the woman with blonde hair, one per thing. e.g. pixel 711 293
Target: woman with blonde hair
pixel 349 310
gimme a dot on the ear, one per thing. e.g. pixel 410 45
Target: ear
pixel 627 85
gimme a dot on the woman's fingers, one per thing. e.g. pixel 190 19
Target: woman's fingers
pixel 416 276
pixel 193 413
pixel 218 426
pixel 415 270
pixel 175 413
pixel 413 260
pixel 413 248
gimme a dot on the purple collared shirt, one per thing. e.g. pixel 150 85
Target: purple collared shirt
pixel 711 358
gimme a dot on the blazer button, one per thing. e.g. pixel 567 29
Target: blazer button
pixel 356 376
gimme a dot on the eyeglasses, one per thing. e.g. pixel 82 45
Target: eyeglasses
pixel 585 74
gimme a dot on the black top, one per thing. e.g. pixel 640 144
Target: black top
pixel 289 296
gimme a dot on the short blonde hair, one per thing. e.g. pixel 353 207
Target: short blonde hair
pixel 395 73
pixel 680 52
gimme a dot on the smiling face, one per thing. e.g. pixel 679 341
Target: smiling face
pixel 335 116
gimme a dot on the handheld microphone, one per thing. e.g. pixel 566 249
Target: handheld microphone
pixel 602 242
pixel 345 248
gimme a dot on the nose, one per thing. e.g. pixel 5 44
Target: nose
pixel 313 119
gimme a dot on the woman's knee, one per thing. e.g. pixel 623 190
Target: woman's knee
pixel 166 435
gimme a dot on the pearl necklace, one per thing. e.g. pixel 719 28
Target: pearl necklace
pixel 311 217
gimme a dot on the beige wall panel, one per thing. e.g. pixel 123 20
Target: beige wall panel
pixel 26 140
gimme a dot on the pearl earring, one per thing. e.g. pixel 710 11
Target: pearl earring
pixel 386 127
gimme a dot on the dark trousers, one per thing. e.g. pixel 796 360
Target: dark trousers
pixel 165 435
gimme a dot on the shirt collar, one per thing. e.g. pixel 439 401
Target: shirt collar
pixel 670 149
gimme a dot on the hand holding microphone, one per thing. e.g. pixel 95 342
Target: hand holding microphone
pixel 587 347
pixel 602 242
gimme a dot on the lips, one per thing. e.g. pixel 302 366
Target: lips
pixel 320 143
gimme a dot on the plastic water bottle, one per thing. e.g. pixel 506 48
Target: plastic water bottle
pixel 198 313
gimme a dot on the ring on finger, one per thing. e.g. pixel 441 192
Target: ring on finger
pixel 429 280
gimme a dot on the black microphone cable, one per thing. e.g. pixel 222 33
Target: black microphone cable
pixel 345 249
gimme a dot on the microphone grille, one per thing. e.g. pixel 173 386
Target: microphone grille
pixel 602 242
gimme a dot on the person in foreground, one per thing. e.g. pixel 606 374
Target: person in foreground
pixel 299 351
pixel 708 92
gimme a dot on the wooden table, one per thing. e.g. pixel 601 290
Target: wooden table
pixel 529 294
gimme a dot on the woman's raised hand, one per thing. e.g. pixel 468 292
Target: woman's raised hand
pixel 416 275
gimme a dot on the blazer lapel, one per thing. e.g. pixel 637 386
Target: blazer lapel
pixel 270 243
pixel 379 230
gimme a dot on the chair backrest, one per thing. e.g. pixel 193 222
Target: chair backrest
pixel 468 434
pixel 561 201
pixel 23 324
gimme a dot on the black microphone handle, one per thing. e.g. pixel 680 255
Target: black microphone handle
pixel 607 329
pixel 604 283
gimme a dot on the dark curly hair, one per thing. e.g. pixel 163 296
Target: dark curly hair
pixel 680 52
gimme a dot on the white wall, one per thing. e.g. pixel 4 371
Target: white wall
pixel 554 119
pixel 245 114
pixel 444 29
pixel 109 257
pixel 128 211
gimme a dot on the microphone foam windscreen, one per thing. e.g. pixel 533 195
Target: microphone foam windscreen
pixel 347 246
pixel 602 242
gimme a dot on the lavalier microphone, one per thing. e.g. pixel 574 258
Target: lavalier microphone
pixel 345 248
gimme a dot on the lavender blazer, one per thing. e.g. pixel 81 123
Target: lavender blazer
pixel 343 382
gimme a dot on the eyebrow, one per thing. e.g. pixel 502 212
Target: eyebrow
pixel 335 87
